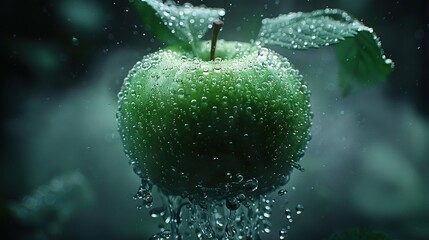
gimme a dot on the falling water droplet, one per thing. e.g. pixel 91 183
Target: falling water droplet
pixel 232 203
pixel 75 41
pixel 251 185
pixel 299 209
pixel 157 212
pixel 282 233
pixel 288 213
pixel 282 192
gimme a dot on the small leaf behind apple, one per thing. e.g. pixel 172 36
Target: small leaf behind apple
pixel 361 57
pixel 187 23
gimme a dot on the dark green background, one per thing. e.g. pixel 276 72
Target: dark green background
pixel 366 165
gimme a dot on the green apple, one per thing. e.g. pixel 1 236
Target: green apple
pixel 214 129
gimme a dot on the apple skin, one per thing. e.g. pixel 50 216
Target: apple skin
pixel 196 128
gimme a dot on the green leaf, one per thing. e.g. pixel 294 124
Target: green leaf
pixel 361 58
pixel 154 24
pixel 362 62
pixel 187 23
pixel 302 31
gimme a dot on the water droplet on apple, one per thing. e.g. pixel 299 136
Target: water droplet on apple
pixel 146 65
pixel 263 52
pixel 205 70
pixel 181 93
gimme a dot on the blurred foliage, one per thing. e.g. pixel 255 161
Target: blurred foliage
pixel 51 206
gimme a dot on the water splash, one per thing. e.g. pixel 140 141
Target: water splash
pixel 240 217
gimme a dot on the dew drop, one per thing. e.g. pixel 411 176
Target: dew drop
pixel 156 58
pixel 205 71
pixel 146 65
pixel 263 52
pixel 181 93
pixel 217 68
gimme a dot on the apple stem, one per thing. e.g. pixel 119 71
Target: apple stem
pixel 217 25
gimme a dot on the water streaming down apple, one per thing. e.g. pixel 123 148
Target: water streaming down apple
pixel 210 221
